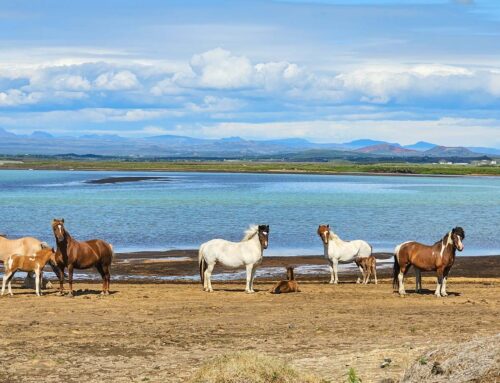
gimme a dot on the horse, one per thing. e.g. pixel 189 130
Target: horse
pixel 288 286
pixel 338 251
pixel 367 266
pixel 27 246
pixel 438 257
pixel 81 255
pixel 29 263
pixel 246 253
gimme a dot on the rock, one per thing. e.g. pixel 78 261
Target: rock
pixel 437 369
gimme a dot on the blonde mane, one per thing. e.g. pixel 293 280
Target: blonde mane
pixel 334 236
pixel 250 232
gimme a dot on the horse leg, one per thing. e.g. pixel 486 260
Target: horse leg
pixel 208 276
pixel 368 274
pixel 249 278
pixel 418 280
pixel 5 279
pixel 9 280
pixel 401 281
pixel 374 271
pixel 100 269
pixel 254 269
pixel 70 279
pixel 60 276
pixel 108 278
pixel 359 280
pixel 437 293
pixel 445 279
pixel 335 271
pixel 37 282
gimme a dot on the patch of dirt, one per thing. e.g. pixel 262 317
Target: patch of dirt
pixel 165 332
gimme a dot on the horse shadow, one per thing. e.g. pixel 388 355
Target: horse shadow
pixel 431 292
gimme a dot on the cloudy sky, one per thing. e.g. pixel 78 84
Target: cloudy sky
pixel 326 70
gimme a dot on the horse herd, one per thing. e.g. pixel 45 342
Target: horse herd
pixel 31 255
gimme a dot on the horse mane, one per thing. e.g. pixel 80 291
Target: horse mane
pixel 250 232
pixel 334 236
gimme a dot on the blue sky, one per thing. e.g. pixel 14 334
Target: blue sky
pixel 329 71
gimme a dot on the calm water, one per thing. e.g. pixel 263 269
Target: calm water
pixel 194 207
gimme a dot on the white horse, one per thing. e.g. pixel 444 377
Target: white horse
pixel 246 253
pixel 337 251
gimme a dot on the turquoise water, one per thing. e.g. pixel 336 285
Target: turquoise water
pixel 194 207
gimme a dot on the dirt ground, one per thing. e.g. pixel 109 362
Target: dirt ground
pixel 163 332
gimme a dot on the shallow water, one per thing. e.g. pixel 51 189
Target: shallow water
pixel 191 208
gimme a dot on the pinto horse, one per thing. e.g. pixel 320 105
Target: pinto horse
pixel 81 255
pixel 438 257
pixel 338 251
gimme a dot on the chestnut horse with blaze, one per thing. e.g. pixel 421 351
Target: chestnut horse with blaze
pixel 438 257
pixel 81 255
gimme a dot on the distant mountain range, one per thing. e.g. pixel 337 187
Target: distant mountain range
pixel 43 143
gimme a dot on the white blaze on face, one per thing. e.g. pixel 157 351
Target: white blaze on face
pixel 265 233
pixel 460 245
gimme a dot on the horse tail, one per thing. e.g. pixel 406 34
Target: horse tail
pixel 396 268
pixel 202 264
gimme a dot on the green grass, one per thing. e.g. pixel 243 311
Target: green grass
pixel 257 167
pixel 352 377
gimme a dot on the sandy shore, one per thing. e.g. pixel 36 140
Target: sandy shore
pixel 155 330
pixel 163 332
pixel 182 265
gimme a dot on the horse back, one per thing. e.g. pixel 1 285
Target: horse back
pixel 422 256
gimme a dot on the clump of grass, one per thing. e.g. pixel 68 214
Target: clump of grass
pixel 352 377
pixel 246 367
pixel 473 361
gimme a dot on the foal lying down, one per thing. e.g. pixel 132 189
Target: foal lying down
pixel 288 286
pixel 29 263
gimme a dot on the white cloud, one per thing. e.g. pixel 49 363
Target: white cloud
pixel 218 68
pixel 15 97
pixel 122 80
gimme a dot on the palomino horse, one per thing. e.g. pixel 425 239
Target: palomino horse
pixel 246 253
pixel 438 257
pixel 288 286
pixel 337 251
pixel 81 255
pixel 29 263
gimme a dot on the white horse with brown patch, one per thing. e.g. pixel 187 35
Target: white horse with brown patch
pixel 248 253
pixel 338 251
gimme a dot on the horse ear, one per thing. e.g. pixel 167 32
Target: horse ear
pixel 328 226
pixel 62 220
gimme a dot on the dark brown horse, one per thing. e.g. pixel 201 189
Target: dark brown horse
pixel 438 257
pixel 81 255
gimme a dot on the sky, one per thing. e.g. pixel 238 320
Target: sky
pixel 324 70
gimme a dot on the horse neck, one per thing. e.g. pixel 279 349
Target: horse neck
pixel 254 241
pixel 447 246
pixel 66 242
pixel 335 240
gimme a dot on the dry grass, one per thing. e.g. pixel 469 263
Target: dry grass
pixel 476 361
pixel 246 367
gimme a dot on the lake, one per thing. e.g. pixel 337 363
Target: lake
pixel 182 210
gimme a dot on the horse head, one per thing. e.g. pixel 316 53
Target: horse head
pixel 457 236
pixel 324 233
pixel 264 235
pixel 58 229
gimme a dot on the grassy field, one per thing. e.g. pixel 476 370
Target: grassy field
pixel 255 167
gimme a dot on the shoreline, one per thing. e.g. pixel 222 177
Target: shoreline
pixel 250 167
pixel 221 171
pixel 181 267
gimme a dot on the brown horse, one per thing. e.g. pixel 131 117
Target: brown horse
pixel 367 266
pixel 438 257
pixel 288 286
pixel 81 255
